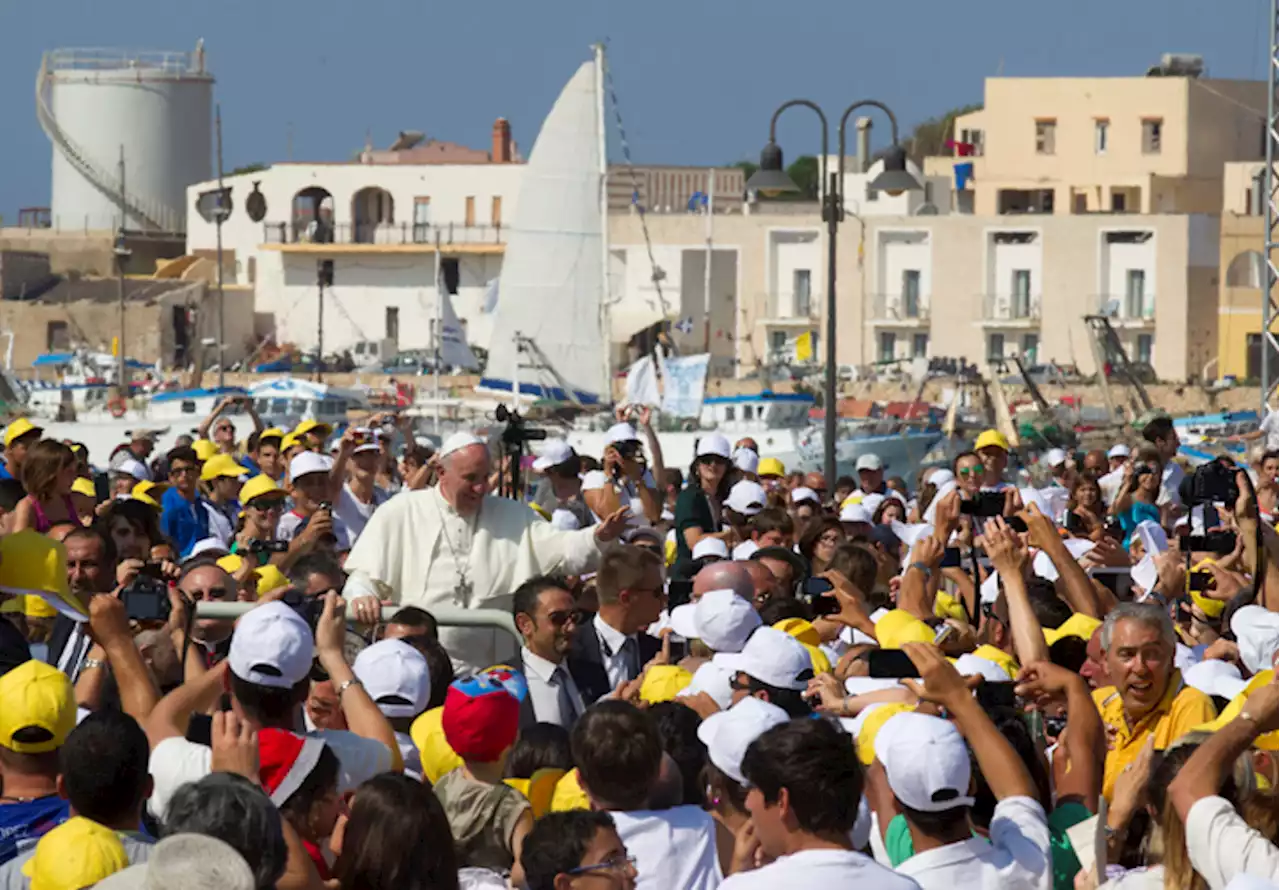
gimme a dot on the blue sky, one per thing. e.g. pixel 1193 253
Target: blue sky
pixel 697 79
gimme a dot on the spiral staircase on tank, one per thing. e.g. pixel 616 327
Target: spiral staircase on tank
pixel 153 215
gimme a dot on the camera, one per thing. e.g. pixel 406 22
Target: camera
pixel 816 594
pixel 1211 483
pixel 1219 542
pixel 146 599
pixel 308 608
pixel 256 546
pixel 985 504
pixel 325 505
pixel 515 433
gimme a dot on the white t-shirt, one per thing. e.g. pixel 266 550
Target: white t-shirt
pixel 1270 425
pixel 353 512
pixel 674 849
pixel 290 522
pixel 1017 858
pixel 176 761
pixel 821 870
pixel 219 525
pixel 1221 845
pixel 595 480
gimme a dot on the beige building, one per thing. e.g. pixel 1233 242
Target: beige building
pixel 1243 271
pixel 1078 196
pixel 1105 145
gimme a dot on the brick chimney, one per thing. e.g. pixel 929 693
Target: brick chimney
pixel 501 153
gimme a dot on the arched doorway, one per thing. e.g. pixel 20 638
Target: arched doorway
pixel 312 217
pixel 1248 269
pixel 372 209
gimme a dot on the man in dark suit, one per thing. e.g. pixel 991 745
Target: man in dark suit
pixel 546 615
pixel 611 648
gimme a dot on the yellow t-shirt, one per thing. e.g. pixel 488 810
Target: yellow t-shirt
pixel 1181 709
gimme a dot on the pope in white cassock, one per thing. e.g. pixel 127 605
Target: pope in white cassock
pixel 457 545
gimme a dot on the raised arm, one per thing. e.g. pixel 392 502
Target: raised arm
pixel 1010 557
pixel 109 623
pixel 1078 765
pixel 1074 582
pixel 919 581
pixel 252 411
pixel 202 431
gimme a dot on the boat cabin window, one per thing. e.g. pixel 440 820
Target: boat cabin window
pixel 746 412
pixel 188 406
pixel 728 412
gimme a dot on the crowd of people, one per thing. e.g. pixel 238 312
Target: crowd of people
pixel 1052 670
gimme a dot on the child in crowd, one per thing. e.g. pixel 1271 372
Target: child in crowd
pixel 47 474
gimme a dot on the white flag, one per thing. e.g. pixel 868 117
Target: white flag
pixel 452 345
pixel 642 383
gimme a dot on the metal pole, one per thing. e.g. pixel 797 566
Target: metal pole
pixel 602 143
pixel 222 214
pixel 439 322
pixel 320 326
pixel 121 252
pixel 1270 345
pixel 706 275
pixel 831 208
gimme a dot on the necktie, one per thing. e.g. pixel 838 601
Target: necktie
pixel 564 701
pixel 631 658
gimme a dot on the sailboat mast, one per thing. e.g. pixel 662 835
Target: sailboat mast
pixel 605 294
pixel 439 339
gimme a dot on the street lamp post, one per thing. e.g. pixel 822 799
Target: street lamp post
pixel 771 178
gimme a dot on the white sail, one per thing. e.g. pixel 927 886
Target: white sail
pixel 547 324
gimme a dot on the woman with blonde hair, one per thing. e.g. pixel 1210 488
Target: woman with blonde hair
pixel 48 473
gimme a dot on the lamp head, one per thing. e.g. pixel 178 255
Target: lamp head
pixel 894 179
pixel 770 179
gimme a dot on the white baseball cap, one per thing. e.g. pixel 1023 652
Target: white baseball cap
pixel 1214 677
pixel 871 502
pixel 713 445
pixel 374 438
pixel 868 462
pixel 621 432
pixel 747 497
pixel 565 521
pixel 207 545
pixel 1256 632
pixel 554 453
pixel 746 460
pixel 709 546
pixel 1120 450
pixel 925 761
pixel 773 657
pixel 728 734
pixel 305 462
pixel 713 679
pixel 683 620
pixel 801 494
pixel 855 513
pixel 459 441
pixel 969 665
pixel 724 620
pixel 396 677
pixel 1055 457
pixel 271 646
pixel 130 467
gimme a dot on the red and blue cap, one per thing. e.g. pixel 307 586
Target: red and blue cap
pixel 481 714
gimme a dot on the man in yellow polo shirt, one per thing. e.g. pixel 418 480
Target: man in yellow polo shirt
pixel 1148 698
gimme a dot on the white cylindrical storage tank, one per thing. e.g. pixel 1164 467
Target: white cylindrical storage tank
pixel 157 106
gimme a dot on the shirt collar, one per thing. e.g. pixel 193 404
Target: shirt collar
pixel 537 665
pixel 949 856
pixel 613 639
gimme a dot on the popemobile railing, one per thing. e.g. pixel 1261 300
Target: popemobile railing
pixel 446 616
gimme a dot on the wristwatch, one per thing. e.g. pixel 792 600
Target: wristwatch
pixel 342 687
pixel 91 663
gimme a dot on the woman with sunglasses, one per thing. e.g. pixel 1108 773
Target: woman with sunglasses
pixel 263 502
pixel 1139 492
pixel 698 509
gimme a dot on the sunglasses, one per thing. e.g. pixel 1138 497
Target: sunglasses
pixel 970 471
pixel 181 470
pixel 266 506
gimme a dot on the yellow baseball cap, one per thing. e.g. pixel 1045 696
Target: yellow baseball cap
pixel 1078 625
pixel 1007 662
pixel 77 853
pixel 230 563
pixel 221 465
pixel 991 438
pixel 149 493
pixel 800 629
pixel 84 486
pixel 291 440
pixel 438 758
pixel 898 627
pixel 878 716
pixel 36 696
pixel 1211 607
pixel 569 794
pixel 271 433
pixel 31 563
pixel 664 682
pixel 19 428
pixel 270 578
pixel 770 466
pixel 947 606
pixel 539 789
pixel 1268 741
pixel 204 449
pixel 312 426
pixel 258 486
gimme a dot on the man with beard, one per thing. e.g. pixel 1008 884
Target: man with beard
pixel 547 617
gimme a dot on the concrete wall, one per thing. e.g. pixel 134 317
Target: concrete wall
pixel 22 272
pixel 90 253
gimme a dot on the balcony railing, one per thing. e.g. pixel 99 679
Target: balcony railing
pixel 305 231
pixel 1126 308
pixel 800 306
pixel 1011 308
pixel 900 308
